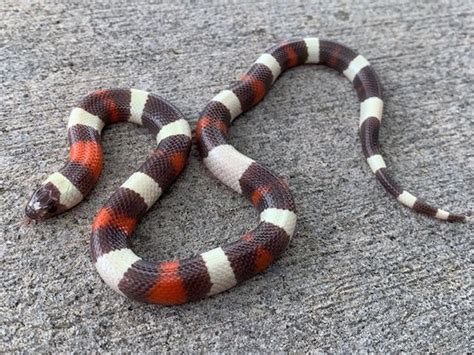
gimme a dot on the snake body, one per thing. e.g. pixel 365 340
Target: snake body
pixel 211 272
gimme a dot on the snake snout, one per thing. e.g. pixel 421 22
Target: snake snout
pixel 32 213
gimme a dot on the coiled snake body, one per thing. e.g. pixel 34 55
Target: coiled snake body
pixel 211 272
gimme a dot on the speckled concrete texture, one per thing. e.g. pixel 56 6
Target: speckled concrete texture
pixel 362 273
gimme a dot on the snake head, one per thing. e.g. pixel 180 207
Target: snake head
pixel 44 203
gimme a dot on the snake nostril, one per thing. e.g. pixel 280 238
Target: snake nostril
pixel 30 212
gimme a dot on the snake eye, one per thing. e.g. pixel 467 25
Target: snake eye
pixel 52 208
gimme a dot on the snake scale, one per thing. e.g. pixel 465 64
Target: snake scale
pixel 211 272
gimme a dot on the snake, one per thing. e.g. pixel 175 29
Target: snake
pixel 214 271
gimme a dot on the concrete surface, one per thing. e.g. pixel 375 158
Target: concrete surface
pixel 362 273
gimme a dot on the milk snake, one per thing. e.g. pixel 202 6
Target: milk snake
pixel 211 272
